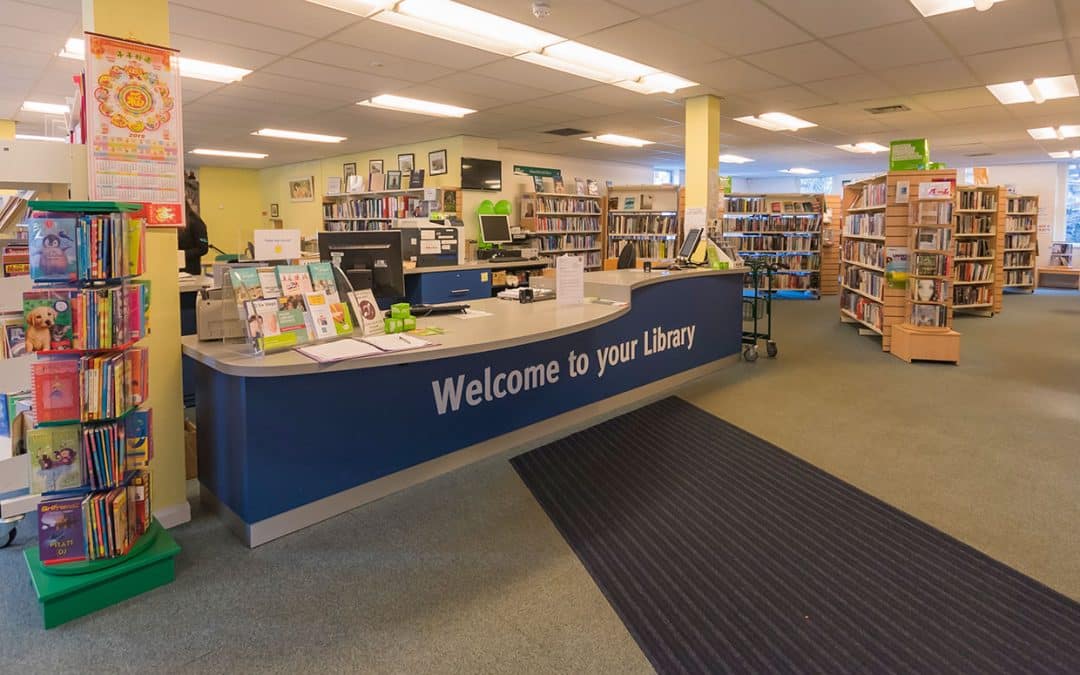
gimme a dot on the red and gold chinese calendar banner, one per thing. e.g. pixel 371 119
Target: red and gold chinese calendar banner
pixel 134 128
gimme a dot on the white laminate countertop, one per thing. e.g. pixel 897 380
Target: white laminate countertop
pixel 511 324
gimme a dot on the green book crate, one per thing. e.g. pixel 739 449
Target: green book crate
pixel 70 591
pixel 84 207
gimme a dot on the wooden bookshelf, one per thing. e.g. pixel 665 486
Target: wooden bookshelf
pixel 646 216
pixel 978 237
pixel 381 210
pixel 782 228
pixel 831 226
pixel 558 223
pixel 1021 243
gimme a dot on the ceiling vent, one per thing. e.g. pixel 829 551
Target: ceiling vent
pixel 979 154
pixel 566 131
pixel 888 109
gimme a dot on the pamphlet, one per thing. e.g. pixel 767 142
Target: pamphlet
pixel 368 317
pixel 318 309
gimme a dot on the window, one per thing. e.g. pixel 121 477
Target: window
pixel 967 176
pixel 1072 204
pixel 816 185
pixel 663 177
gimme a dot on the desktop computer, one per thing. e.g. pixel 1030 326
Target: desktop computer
pixel 368 260
pixel 495 229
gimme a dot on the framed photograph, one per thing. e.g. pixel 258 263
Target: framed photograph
pixel 374 166
pixel 274 212
pixel 405 162
pixel 393 180
pixel 436 163
pixel 302 189
pixel 334 185
pixel 348 170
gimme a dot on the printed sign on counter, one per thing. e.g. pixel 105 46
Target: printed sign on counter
pixel 570 280
pixel 277 244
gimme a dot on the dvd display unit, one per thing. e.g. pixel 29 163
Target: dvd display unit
pixel 368 260
pixel 495 229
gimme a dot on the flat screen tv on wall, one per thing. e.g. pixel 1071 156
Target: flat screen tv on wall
pixel 481 174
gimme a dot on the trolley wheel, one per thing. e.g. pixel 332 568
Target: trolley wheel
pixel 750 353
pixel 11 536
pixel 770 349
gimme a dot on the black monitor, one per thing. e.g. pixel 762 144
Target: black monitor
pixel 693 239
pixel 481 174
pixel 368 260
pixel 495 228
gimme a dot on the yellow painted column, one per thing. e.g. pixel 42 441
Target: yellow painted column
pixel 702 126
pixel 148 21
pixel 7 130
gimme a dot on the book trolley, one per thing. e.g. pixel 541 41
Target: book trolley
pixel 90 444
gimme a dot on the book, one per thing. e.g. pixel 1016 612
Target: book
pixel 538 183
pixel 294 281
pixel 366 312
pixel 268 282
pixel 559 186
pixel 137 374
pixel 48 320
pixel 333 185
pixel 320 320
pixel 579 186
pixel 629 203
pixel 138 439
pixel 355 184
pixel 592 187
pixel 246 282
pixel 14 337
pixel 139 506
pixel 56 390
pixel 61 538
pixel 416 178
pixel 548 182
pixel 263 322
pixel 322 279
pixel 377 182
pixel 56 461
pixel 52 247
pixel 646 202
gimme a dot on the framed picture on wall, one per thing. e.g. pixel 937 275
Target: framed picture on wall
pixel 393 180
pixel 348 170
pixel 274 212
pixel 436 163
pixel 405 162
pixel 302 189
pixel 374 166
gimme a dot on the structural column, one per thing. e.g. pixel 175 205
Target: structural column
pixel 702 157
pixel 7 130
pixel 148 21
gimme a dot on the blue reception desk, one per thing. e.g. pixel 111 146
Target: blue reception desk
pixel 285 442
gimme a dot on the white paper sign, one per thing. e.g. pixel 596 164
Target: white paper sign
pixel 429 246
pixel 938 189
pixel 277 244
pixel 696 216
pixel 431 194
pixel 570 280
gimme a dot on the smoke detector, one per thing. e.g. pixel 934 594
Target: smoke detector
pixel 541 9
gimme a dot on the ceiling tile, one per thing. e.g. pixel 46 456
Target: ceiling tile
pixel 646 7
pixel 542 78
pixel 30 40
pixel 569 20
pixel 934 76
pixel 578 107
pixel 22 57
pixel 976 115
pixel 490 87
pixel 786 99
pixel 958 99
pixel 441 94
pixel 296 16
pixel 400 42
pixel 733 76
pixel 328 92
pixel 756 29
pixel 1021 63
pixel 808 61
pixel 39 19
pixel 217 28
pixel 1072 18
pixel 374 63
pixel 362 84
pixel 891 46
pixel 843 16
pixel 216 52
pixel 851 88
pixel 651 43
pixel 1010 24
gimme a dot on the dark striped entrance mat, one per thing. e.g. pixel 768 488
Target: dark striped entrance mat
pixel 723 553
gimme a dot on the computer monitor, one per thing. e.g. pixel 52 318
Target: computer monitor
pixel 368 260
pixel 693 239
pixel 495 228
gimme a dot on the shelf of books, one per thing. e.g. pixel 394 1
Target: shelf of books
pixel 979 239
pixel 832 224
pixel 565 223
pixel 874 249
pixel 783 228
pixel 89 431
pixel 1021 243
pixel 361 211
pixel 647 217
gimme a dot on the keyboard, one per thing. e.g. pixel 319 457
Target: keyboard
pixel 430 310
pixel 505 259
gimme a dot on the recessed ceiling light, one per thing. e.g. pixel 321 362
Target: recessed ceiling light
pixel 32 137
pixel 1040 89
pixel 1075 154
pixel 48 108
pixel 775 121
pixel 657 83
pixel 616 139
pixel 75 48
pixel 734 159
pixel 1050 133
pixel 415 105
pixel 229 153
pixel 864 148
pixel 800 171
pixel 935 7
pixel 297 135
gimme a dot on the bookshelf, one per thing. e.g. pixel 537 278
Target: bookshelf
pixel 875 234
pixel 560 223
pixel 648 217
pixel 363 211
pixel 1021 243
pixel 979 238
pixel 783 228
pixel 831 226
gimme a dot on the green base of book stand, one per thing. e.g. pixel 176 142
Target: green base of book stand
pixel 70 591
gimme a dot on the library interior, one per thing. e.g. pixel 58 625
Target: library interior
pixel 540 336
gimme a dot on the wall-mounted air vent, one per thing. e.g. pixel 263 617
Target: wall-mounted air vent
pixel 888 109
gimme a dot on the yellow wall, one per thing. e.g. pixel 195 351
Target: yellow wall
pixel 231 203
pixel 7 130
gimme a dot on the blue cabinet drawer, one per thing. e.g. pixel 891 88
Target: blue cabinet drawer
pixel 437 287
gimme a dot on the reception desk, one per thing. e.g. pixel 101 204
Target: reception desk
pixel 285 442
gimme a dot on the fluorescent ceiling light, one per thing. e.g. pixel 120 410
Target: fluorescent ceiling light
pixel 75 48
pixel 357 7
pixel 734 159
pixel 616 139
pixel 32 137
pixel 297 136
pixel 578 55
pixel 935 7
pixel 229 153
pixel 800 171
pixel 1039 90
pixel 415 105
pixel 465 25
pixel 573 68
pixel 48 108
pixel 1075 154
pixel 775 121
pixel 657 83
pixel 863 148
pixel 1060 134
